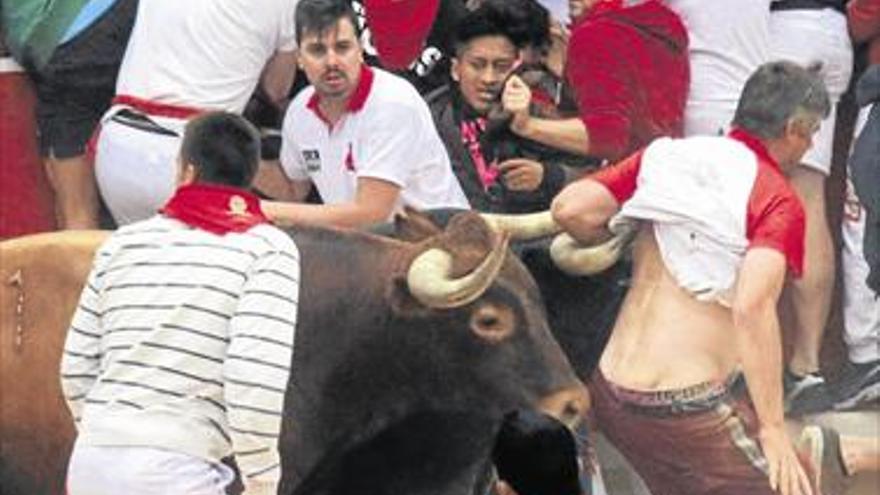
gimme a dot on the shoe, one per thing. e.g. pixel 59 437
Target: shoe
pixel 806 394
pixel 859 384
pixel 820 447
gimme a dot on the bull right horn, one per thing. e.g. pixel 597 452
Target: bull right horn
pixel 429 279
pixel 525 226
pixel 573 258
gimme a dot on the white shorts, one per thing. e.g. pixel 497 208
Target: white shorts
pixel 136 170
pixel 810 38
pixel 143 471
pixel 861 308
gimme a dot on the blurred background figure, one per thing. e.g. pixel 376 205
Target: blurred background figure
pixel 72 50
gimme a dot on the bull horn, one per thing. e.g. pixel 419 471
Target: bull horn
pixel 575 259
pixel 429 281
pixel 523 227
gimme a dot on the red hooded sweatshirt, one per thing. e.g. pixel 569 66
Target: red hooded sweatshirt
pixel 630 73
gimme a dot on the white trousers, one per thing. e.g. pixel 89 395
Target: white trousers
pixel 143 471
pixel 136 170
pixel 816 38
pixel 861 307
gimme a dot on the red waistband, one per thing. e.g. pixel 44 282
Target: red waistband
pixel 155 108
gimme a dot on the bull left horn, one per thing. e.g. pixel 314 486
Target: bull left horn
pixel 429 279
pixel 525 226
pixel 573 258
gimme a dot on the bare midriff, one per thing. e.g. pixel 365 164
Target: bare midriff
pixel 664 338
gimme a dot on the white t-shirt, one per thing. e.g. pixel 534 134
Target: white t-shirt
pixel 728 41
pixel 206 54
pixel 387 134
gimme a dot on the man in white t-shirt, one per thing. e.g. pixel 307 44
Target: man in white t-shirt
pixel 185 58
pixel 728 41
pixel 362 136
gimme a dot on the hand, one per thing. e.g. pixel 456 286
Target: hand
pixel 787 476
pixel 521 174
pixel 515 99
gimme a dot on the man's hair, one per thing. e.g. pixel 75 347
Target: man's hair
pixel 777 93
pixel 536 455
pixel 523 22
pixel 223 147
pixel 317 16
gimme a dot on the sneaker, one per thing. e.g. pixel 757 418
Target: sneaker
pixel 806 394
pixel 820 447
pixel 859 384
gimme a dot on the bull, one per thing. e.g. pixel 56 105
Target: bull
pixel 437 336
pixel 582 288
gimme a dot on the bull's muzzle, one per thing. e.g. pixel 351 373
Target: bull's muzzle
pixel 569 405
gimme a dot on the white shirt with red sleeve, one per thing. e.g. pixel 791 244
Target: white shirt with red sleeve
pixel 386 133
pixel 710 199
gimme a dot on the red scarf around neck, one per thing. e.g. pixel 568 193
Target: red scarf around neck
pixel 216 208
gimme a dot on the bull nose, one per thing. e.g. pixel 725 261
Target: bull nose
pixel 569 405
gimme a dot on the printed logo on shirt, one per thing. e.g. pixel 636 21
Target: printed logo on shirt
pixel 312 159
pixel 237 206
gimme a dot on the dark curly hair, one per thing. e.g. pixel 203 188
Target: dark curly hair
pixel 523 22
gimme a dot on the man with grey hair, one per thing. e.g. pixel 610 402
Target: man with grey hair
pixel 689 386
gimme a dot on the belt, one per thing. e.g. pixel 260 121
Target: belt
pixel 155 108
pixel 137 112
pixel 807 5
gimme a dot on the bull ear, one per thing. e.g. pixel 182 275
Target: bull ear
pixel 413 225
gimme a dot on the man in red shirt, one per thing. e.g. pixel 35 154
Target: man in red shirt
pixel 629 69
pixel 716 224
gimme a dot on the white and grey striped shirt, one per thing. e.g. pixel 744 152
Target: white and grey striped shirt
pixel 183 340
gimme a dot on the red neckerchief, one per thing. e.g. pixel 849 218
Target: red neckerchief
pixel 356 101
pixel 215 208
pixel 755 144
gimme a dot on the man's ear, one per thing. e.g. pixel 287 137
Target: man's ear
pixel 453 69
pixel 188 174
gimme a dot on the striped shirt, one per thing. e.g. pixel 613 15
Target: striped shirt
pixel 182 340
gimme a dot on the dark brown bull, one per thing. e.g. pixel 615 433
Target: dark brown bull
pixel 384 340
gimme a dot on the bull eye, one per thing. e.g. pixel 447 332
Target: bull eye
pixel 492 322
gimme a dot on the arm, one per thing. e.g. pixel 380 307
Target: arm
pixel 864 19
pixel 374 202
pixel 566 134
pixel 257 367
pixel 278 76
pixel 759 346
pixel 584 207
pixel 81 360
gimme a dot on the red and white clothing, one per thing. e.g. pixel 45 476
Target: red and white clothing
pixel 629 71
pixel 387 133
pixel 190 56
pixel 180 347
pixel 729 40
pixel 709 199
pixel 206 54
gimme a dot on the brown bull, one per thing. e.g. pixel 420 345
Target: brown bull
pixel 41 277
pixel 436 284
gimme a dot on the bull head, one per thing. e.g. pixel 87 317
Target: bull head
pixel 569 255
